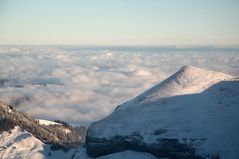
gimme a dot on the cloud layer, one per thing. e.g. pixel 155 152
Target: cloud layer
pixel 83 84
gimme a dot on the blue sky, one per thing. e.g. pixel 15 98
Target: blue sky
pixel 119 22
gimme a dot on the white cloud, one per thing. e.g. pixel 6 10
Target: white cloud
pixel 83 85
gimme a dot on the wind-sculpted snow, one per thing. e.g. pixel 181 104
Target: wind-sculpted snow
pixel 83 84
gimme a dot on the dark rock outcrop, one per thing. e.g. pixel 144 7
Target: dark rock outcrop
pixel 170 148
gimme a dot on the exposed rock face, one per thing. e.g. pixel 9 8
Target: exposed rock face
pixel 192 114
pixel 163 147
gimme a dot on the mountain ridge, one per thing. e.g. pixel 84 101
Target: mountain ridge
pixel 187 113
pixel 184 81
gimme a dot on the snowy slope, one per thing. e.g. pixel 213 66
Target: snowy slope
pixel 20 144
pixel 81 154
pixel 194 107
pixel 22 136
pixel 128 155
pixel 188 80
pixel 60 135
pixel 47 122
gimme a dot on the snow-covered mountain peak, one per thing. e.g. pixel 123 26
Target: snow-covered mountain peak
pixel 192 72
pixel 191 79
pixel 188 80
pixel 193 111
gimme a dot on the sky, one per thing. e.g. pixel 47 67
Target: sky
pixel 120 22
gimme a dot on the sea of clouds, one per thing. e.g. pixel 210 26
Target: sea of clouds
pixel 83 84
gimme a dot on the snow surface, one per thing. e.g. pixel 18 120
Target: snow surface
pixel 20 144
pixel 128 155
pixel 81 154
pixel 188 80
pixel 192 104
pixel 47 122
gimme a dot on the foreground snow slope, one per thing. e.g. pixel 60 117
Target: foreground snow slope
pixel 192 114
pixel 81 154
pixel 128 155
pixel 20 144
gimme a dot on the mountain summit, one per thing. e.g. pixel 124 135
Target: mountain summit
pixel 192 114
pixel 187 80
